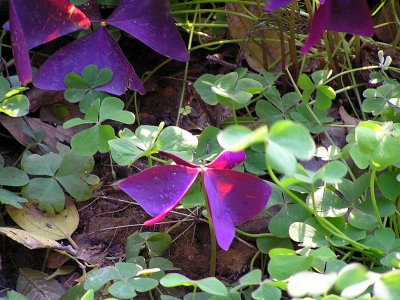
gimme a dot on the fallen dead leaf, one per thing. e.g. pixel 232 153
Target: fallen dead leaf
pixel 261 46
pixel 55 227
pixel 54 134
pixel 33 241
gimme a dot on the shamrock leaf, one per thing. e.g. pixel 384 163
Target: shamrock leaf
pixel 110 108
pixel 54 172
pixel 11 176
pixel 148 140
pixel 286 142
pixel 324 94
pixel 82 89
pixel 376 143
pixel 232 89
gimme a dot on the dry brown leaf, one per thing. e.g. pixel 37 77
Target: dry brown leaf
pixel 347 119
pixel 261 47
pixel 33 241
pixel 38 98
pixel 53 136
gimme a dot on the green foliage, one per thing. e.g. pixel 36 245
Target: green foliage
pixel 155 242
pixel 324 94
pixel 88 141
pixel 276 107
pixel 53 172
pixel 286 142
pixel 379 100
pixel 12 102
pixel 82 89
pixel 13 177
pixel 126 278
pixel 148 140
pixel 235 89
pixel 376 145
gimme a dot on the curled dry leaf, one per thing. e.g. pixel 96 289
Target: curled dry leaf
pixel 53 135
pixel 35 286
pixel 261 47
pixel 33 241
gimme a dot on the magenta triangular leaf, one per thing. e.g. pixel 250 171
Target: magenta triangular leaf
pixel 159 189
pixel 340 15
pixel 227 160
pixel 276 4
pixel 20 48
pixel 97 48
pixel 150 22
pixel 178 160
pixel 234 198
pixel 44 20
pixel 33 23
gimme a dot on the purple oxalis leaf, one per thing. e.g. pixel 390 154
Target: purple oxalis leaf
pixel 234 198
pixel 351 16
pixel 42 21
pixel 227 160
pixel 91 10
pixel 85 51
pixel 20 49
pixel 33 23
pixel 276 4
pixel 179 160
pixel 158 190
pixel 150 22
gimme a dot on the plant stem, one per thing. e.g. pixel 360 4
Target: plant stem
pixel 292 38
pixel 253 260
pixel 72 242
pixel 183 91
pixel 213 241
pixel 373 199
pixel 328 226
pixel 254 235
pixel 194 293
pixel 314 116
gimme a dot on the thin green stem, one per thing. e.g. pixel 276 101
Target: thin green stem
pixel 350 71
pixel 327 41
pixel 149 161
pixel 320 124
pixel 163 161
pixel 254 235
pixel 292 38
pixel 253 260
pixel 328 226
pixel 183 91
pixel 72 242
pixel 194 293
pixel 373 199
pixel 353 78
pixel 349 87
pixel 213 258
pixel 234 116
pixel 72 257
